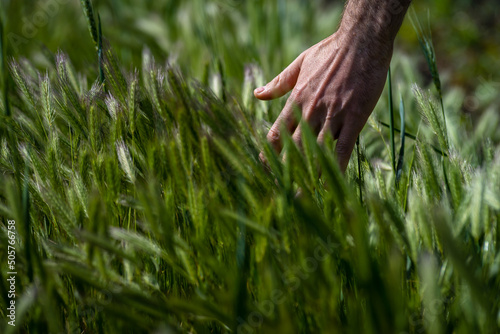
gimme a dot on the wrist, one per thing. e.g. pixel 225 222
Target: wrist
pixel 365 44
pixel 376 22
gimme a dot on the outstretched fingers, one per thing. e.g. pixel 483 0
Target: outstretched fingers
pixel 283 83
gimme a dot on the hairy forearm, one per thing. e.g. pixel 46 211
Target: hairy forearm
pixel 374 20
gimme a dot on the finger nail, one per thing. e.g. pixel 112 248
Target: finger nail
pixel 259 90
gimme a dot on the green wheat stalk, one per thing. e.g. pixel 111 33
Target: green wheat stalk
pixel 425 41
pixel 399 168
pixel 88 11
pixel 391 117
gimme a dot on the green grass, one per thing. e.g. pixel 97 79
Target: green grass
pixel 141 204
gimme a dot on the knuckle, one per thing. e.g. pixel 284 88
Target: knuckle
pixel 273 134
pixel 329 116
pixel 334 112
pixel 298 95
pixel 278 81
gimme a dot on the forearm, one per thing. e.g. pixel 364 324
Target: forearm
pixel 374 20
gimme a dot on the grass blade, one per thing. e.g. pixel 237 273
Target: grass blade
pixel 391 115
pixel 399 169
pixel 88 10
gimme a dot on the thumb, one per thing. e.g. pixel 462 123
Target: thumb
pixel 283 83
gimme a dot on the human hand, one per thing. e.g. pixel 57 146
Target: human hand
pixel 336 84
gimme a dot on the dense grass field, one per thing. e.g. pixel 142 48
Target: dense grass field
pixel 132 198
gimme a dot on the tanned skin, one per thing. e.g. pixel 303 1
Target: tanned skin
pixel 337 82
